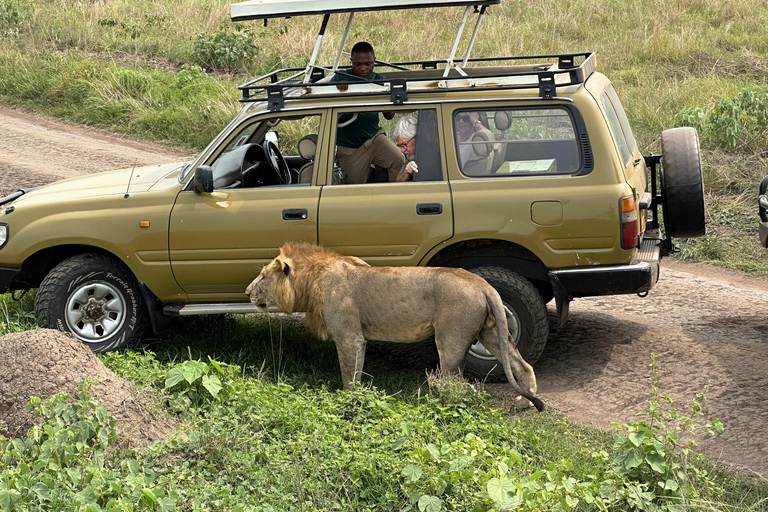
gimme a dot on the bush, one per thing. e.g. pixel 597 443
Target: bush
pixel 734 124
pixel 226 50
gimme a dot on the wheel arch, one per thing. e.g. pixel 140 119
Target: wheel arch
pixel 38 265
pixel 470 254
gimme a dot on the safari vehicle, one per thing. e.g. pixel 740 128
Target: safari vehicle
pixel 557 202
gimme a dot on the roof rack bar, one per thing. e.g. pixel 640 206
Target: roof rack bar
pixel 450 64
pixel 474 35
pixel 316 50
pixel 544 72
pixel 343 41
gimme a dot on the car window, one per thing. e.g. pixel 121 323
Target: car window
pixel 613 120
pixel 367 151
pixel 269 152
pixel 610 93
pixel 516 141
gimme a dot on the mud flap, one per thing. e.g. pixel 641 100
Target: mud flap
pixel 562 300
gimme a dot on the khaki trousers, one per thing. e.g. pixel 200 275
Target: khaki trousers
pixel 356 163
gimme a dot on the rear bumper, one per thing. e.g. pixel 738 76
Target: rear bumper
pixel 6 278
pixel 637 277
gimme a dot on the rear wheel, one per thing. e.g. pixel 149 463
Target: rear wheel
pixel 526 320
pixel 94 297
pixel 682 185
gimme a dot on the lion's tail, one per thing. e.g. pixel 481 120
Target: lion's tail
pixel 496 307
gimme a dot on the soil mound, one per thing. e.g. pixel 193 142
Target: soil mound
pixel 44 362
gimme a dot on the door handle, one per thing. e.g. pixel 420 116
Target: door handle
pixel 294 214
pixel 429 208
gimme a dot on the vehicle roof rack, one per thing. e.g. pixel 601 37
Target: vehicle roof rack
pixel 545 73
pixel 311 80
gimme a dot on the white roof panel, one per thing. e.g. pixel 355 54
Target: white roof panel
pixel 263 9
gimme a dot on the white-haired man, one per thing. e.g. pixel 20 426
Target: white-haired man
pixel 405 139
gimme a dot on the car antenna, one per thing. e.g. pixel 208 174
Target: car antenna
pixel 129 180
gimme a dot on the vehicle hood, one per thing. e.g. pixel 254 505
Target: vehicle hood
pixel 131 181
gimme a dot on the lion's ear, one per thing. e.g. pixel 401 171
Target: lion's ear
pixel 285 265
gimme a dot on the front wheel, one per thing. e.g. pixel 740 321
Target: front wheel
pixel 94 297
pixel 526 320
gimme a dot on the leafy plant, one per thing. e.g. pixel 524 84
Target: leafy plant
pixel 195 383
pixel 17 316
pixel 736 124
pixel 13 12
pixel 227 50
pixel 62 464
pixel 657 449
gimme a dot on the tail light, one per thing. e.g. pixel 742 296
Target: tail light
pixel 630 223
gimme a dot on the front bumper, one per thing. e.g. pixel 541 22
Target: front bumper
pixel 637 277
pixel 7 276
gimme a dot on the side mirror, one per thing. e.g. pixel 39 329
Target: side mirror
pixel 204 179
pixel 271 136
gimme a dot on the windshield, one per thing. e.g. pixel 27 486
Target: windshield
pixel 187 167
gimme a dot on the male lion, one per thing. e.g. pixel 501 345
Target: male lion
pixel 349 301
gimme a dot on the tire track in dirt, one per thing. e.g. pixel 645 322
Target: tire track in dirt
pixel 36 150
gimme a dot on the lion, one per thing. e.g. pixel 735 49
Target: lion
pixel 350 302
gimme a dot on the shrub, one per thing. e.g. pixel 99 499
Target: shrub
pixel 735 124
pixel 226 50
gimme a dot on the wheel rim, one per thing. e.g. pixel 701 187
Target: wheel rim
pixel 513 324
pixel 95 311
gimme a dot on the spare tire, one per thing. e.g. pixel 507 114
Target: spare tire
pixel 682 184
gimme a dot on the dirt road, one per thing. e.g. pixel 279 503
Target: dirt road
pixel 707 326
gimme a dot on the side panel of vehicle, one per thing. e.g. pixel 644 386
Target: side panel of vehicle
pixel 394 223
pixel 385 223
pixel 133 229
pixel 578 227
pixel 219 241
pixel 631 160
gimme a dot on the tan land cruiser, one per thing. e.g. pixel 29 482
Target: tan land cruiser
pixel 547 198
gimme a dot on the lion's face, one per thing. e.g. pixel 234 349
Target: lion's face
pixel 272 278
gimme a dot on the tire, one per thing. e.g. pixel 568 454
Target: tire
pixel 94 297
pixel 526 318
pixel 682 184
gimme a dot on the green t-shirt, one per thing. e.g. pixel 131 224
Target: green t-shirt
pixel 367 123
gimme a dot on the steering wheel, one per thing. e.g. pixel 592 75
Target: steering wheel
pixel 276 160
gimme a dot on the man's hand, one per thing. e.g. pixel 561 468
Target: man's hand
pixel 343 88
pixel 410 169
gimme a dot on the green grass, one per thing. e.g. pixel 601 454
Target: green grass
pixel 265 426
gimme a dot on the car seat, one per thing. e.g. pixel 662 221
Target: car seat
pixel 307 146
pixel 484 145
pixel 502 121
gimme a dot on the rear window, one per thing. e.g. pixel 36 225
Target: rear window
pixel 619 123
pixel 520 142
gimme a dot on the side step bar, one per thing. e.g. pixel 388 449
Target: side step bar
pixel 213 309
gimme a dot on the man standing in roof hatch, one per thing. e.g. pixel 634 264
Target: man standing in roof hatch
pixel 363 142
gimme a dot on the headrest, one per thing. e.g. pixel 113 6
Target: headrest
pixel 484 135
pixel 502 120
pixel 307 146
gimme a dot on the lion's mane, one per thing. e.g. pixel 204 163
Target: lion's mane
pixel 308 268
